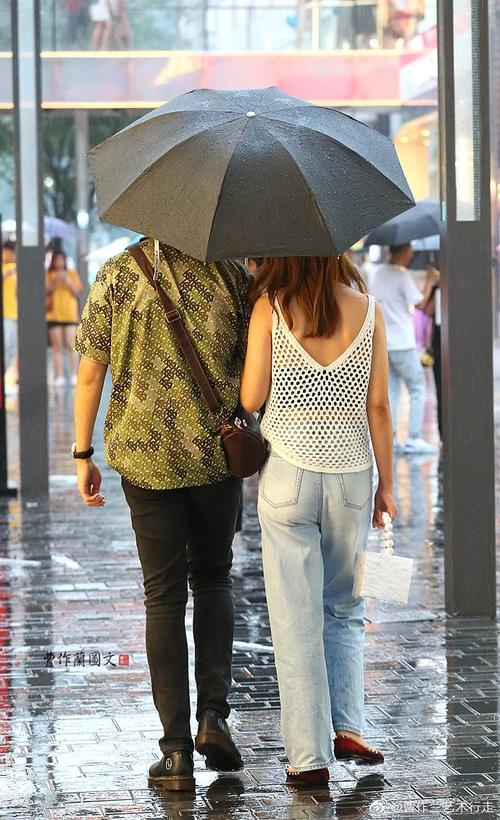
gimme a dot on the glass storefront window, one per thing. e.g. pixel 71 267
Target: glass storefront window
pixel 467 126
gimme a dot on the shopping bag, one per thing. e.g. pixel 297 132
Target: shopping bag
pixel 382 574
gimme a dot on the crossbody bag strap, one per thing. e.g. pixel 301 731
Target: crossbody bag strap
pixel 176 324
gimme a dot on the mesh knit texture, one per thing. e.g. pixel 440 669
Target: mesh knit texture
pixel 316 416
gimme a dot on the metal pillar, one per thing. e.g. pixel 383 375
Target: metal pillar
pixel 467 343
pixel 82 192
pixel 495 154
pixel 33 427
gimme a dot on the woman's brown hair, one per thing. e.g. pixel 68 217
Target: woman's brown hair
pixel 310 280
pixel 54 256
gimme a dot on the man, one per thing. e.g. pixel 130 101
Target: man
pixel 163 441
pixel 77 18
pixel 9 284
pixel 394 288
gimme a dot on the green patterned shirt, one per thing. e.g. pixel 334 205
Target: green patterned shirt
pixel 159 433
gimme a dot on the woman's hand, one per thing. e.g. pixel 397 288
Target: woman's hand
pixel 89 483
pixel 384 502
pixel 433 275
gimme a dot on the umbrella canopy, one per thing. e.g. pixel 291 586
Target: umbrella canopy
pixel 58 228
pixel 419 222
pixel 249 173
pixel 100 255
pixel 427 243
pixel 52 227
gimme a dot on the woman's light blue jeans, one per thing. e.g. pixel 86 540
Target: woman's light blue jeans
pixel 314 526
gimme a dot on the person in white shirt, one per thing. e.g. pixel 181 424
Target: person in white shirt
pixel 394 288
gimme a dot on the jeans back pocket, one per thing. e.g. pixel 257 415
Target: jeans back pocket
pixel 356 488
pixel 280 482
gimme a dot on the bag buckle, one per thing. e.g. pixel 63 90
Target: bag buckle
pixel 156 272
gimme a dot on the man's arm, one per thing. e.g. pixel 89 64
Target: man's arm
pixel 91 375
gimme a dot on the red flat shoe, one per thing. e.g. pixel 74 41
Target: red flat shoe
pixel 313 777
pixel 348 749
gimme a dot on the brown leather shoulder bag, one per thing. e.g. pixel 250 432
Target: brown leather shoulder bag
pixel 244 446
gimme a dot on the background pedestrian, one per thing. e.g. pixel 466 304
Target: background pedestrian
pixel 434 311
pixel 9 285
pixel 100 15
pixel 394 287
pixel 62 287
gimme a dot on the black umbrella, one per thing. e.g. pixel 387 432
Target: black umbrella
pixel 249 173
pixel 417 223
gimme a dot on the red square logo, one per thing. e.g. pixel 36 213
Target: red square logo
pixel 123 660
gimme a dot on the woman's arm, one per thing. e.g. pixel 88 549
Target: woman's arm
pixel 51 282
pixel 431 280
pixel 91 375
pixel 256 378
pixel 73 283
pixel 379 420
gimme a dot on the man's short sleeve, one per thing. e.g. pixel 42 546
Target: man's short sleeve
pixel 243 284
pixel 93 335
pixel 412 294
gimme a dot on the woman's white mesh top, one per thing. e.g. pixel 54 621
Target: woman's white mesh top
pixel 316 416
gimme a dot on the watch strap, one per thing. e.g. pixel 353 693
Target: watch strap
pixel 81 453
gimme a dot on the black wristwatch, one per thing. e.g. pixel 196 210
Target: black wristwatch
pixel 81 453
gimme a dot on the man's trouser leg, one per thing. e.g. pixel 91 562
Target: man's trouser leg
pixel 160 522
pixel 406 365
pixel 394 391
pixel 213 512
pixel 163 522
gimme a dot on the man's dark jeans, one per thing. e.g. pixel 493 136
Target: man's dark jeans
pixel 186 534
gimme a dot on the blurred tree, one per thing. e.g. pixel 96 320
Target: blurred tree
pixel 7 206
pixel 59 175
pixel 59 189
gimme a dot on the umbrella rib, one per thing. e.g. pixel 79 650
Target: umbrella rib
pixel 153 165
pixel 315 204
pixel 351 151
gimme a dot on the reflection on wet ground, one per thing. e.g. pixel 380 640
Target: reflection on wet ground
pixel 78 725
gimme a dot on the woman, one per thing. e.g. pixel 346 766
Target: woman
pixel 100 15
pixel 63 288
pixel 121 31
pixel 317 355
pixel 433 310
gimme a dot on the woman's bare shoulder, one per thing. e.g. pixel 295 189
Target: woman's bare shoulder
pixel 262 312
pixel 344 292
pixel 263 306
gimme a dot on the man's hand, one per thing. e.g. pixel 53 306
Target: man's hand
pixel 89 483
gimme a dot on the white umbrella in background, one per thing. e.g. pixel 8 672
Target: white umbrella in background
pixel 52 227
pixel 99 255
pixel 427 243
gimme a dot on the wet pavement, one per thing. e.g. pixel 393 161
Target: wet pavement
pixel 78 728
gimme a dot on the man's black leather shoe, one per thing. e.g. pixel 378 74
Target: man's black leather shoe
pixel 174 772
pixel 215 742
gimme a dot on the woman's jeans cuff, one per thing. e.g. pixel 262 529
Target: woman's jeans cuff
pixel 344 727
pixel 314 766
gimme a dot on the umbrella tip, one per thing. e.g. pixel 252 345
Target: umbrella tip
pixel 250 114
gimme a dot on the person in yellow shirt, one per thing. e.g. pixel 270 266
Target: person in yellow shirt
pixel 9 288
pixel 63 288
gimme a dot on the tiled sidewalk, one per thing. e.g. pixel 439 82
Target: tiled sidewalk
pixel 78 738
